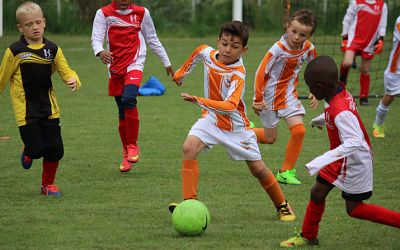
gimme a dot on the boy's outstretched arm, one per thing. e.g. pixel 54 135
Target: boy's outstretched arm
pixel 69 76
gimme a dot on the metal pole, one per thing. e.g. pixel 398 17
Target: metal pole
pixel 1 18
pixel 237 10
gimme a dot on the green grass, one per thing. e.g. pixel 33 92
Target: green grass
pixel 104 209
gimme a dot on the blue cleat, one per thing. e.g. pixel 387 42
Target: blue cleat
pixel 26 161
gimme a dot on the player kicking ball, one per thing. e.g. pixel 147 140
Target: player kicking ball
pixel 348 165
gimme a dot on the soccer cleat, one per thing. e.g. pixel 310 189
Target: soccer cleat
pixel 172 206
pixel 364 101
pixel 26 161
pixel 298 240
pixel 285 212
pixel 379 131
pixel 288 177
pixel 51 190
pixel 133 153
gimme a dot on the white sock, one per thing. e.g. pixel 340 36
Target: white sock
pixel 381 112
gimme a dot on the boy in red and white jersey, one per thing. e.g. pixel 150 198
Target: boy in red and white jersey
pixel 275 90
pixel 224 120
pixel 364 28
pixel 392 83
pixel 127 28
pixel 347 165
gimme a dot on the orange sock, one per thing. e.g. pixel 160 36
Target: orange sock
pixel 190 179
pixel 271 186
pixel 260 135
pixel 293 147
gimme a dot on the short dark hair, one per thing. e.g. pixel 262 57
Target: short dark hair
pixel 322 69
pixel 305 17
pixel 236 28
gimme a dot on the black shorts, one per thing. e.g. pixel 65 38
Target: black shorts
pixel 345 195
pixel 42 138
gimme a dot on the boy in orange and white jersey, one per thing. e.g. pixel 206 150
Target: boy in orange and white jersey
pixel 275 89
pixel 392 83
pixel 224 120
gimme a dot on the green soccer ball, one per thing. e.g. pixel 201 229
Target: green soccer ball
pixel 191 218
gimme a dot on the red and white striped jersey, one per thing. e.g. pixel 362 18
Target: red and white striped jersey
pixel 394 58
pixel 350 151
pixel 365 21
pixel 277 75
pixel 224 87
pixel 126 34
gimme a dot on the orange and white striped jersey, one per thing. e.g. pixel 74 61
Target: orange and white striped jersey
pixel 277 75
pixel 224 87
pixel 394 58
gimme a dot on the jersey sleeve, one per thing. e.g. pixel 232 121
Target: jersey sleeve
pixel 98 32
pixel 150 34
pixel 311 54
pixel 383 21
pixel 230 104
pixel 352 137
pixel 261 77
pixel 62 67
pixel 196 56
pixel 7 69
pixel 396 32
pixel 349 17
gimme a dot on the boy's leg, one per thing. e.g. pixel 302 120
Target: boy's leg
pixel 312 218
pixel 293 149
pixel 54 151
pixel 190 169
pixel 128 100
pixel 374 213
pixel 271 186
pixel 266 135
pixel 381 113
pixel 346 64
pixel 31 136
pixel 364 78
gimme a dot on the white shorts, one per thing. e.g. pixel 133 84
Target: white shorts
pixel 392 83
pixel 271 118
pixel 240 145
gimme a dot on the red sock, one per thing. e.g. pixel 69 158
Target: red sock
pixel 312 218
pixel 122 132
pixel 49 172
pixel 343 73
pixel 132 125
pixel 364 85
pixel 376 214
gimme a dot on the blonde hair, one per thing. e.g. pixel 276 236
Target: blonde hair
pixel 28 8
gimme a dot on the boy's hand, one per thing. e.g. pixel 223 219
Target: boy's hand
pixel 72 84
pixel 343 46
pixel 170 71
pixel 318 122
pixel 378 46
pixel 188 98
pixel 179 83
pixel 106 57
pixel 313 101
pixel 259 107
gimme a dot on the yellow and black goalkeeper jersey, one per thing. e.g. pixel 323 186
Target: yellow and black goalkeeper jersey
pixel 29 67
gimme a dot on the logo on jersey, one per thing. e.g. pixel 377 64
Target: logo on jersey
pixel 328 121
pixel 26 55
pixel 245 144
pixel 47 53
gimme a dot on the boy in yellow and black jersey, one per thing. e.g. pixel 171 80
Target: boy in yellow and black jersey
pixel 28 65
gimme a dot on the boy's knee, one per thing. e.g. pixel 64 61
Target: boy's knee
pixel 316 195
pixel 298 130
pixel 54 154
pixel 128 98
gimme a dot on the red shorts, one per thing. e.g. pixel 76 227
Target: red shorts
pixel 363 54
pixel 116 82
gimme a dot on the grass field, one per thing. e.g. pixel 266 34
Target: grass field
pixel 102 208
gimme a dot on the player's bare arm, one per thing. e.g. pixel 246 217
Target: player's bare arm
pixel 72 84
